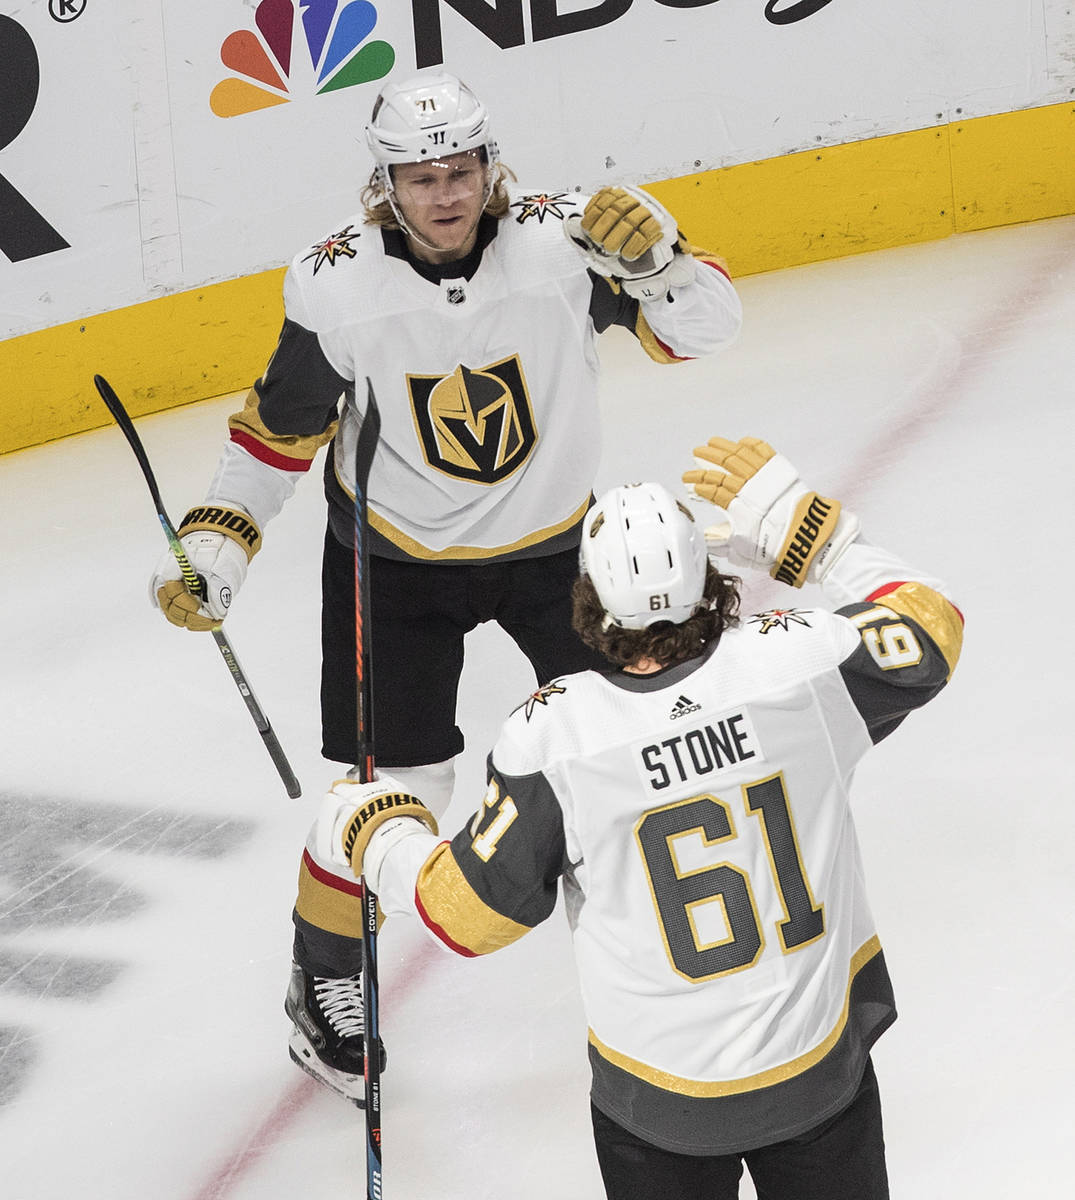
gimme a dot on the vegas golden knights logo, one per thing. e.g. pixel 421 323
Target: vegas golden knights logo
pixel 475 424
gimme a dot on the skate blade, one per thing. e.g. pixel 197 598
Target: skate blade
pixel 350 1087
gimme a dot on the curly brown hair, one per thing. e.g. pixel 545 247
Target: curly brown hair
pixel 664 642
pixel 379 211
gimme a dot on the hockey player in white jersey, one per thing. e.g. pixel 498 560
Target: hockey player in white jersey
pixel 459 297
pixel 693 800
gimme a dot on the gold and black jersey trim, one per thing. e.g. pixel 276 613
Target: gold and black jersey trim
pixel 412 548
pixel 652 344
pixel 498 879
pixel 932 612
pixel 328 902
pixel 292 410
pixel 773 1106
pixel 458 916
pixel 610 305
pixel 285 452
pixel 749 1083
pixel 910 642
pixel 649 341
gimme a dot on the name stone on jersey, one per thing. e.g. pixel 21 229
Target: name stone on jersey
pixel 694 755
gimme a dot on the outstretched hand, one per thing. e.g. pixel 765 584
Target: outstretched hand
pixel 775 522
pixel 626 235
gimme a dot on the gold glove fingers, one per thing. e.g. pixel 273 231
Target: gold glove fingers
pixel 181 608
pixel 621 224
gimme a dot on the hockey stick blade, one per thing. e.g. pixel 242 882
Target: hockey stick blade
pixel 194 584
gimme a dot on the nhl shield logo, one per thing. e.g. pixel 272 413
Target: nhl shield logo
pixel 474 424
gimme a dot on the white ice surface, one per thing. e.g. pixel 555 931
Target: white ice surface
pixel 148 854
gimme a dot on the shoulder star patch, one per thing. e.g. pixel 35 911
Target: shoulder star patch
pixel 337 246
pixel 541 696
pixel 542 205
pixel 780 618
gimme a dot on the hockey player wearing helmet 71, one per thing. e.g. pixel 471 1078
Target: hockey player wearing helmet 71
pixel 473 307
pixel 437 164
pixel 693 797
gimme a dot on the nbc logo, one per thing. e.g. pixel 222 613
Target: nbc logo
pixel 271 66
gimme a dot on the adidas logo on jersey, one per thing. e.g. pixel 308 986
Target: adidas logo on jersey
pixel 683 707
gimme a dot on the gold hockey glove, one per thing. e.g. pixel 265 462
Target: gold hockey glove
pixel 774 522
pixel 219 540
pixel 351 813
pixel 625 235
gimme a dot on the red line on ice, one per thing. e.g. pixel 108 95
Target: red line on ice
pixel 267 1134
pixel 985 339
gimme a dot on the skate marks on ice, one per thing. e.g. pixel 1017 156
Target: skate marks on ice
pixel 62 871
pixel 17 1055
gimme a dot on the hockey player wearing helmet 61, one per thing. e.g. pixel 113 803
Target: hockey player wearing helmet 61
pixel 457 295
pixel 693 795
pixel 647 562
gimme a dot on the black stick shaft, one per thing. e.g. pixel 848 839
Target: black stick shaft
pixel 365 449
pixel 194 584
pixel 371 993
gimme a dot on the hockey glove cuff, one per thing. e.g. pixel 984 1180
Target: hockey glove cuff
pixel 775 522
pixel 219 540
pixel 353 812
pixel 625 235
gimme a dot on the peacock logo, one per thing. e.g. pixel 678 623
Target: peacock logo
pixel 270 67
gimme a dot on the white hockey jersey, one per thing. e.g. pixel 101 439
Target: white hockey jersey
pixel 699 819
pixel 486 384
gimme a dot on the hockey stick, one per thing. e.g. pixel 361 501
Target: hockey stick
pixel 365 448
pixel 194 584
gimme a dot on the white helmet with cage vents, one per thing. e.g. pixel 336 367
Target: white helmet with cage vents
pixel 430 115
pixel 645 556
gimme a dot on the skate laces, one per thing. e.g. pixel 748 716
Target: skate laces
pixel 341 1002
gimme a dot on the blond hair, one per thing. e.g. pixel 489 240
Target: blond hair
pixel 379 211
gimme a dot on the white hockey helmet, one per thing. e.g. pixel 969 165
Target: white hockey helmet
pixel 644 555
pixel 430 115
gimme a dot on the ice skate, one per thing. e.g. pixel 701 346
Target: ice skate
pixel 328 1036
